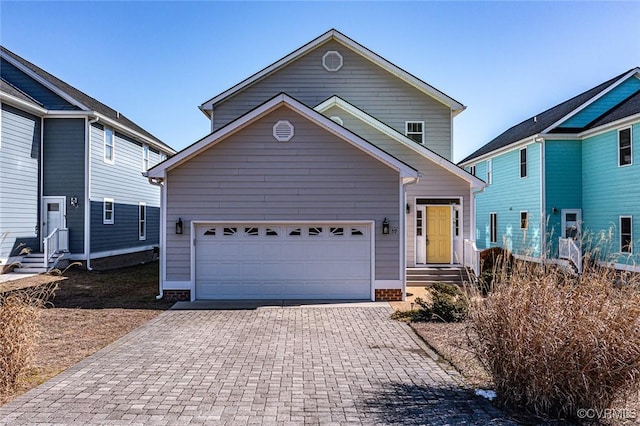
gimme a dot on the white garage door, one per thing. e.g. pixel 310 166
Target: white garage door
pixel 283 261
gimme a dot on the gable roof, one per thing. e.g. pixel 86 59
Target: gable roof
pixel 77 97
pixel 402 139
pixel 333 34
pixel 158 171
pixel 9 89
pixel 546 121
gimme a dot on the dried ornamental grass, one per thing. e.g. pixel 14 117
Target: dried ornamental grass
pixel 554 342
pixel 19 312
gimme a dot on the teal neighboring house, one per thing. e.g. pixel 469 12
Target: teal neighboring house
pixel 566 180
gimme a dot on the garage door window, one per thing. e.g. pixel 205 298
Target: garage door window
pixel 210 231
pixel 252 232
pixel 230 231
pixel 357 232
pixel 295 232
pixel 270 232
pixel 336 232
pixel 314 232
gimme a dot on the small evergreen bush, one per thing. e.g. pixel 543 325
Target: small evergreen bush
pixel 448 303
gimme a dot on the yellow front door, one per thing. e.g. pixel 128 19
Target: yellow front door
pixel 438 234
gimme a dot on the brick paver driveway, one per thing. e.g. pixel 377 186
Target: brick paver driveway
pixel 272 365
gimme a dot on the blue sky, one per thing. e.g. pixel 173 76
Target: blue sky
pixel 157 61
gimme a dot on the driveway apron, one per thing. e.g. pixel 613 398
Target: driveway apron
pixel 271 365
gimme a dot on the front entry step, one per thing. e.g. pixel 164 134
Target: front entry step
pixel 33 263
pixel 418 277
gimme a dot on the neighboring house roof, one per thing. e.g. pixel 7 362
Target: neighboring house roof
pixel 77 97
pixel 627 108
pixel 9 89
pixel 546 121
pixel 333 34
pixel 406 171
pixel 402 139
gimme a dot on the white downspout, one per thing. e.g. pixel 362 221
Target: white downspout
pixel 87 192
pixel 163 226
pixel 543 207
pixel 42 213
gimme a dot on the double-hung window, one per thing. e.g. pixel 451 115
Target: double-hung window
pixel 472 170
pixel 142 221
pixel 489 172
pixel 108 211
pixel 524 220
pixel 493 227
pixel 523 162
pixel 625 147
pixel 109 146
pixel 626 234
pixel 415 130
pixel 145 158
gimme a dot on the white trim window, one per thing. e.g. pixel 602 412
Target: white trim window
pixel 414 130
pixel 523 162
pixel 109 146
pixel 472 169
pixel 489 171
pixel 142 221
pixel 145 157
pixel 626 234
pixel 108 210
pixel 524 219
pixel 493 227
pixel 625 147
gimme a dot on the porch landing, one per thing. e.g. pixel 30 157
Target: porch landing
pixel 424 275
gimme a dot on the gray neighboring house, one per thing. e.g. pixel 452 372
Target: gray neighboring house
pixel 327 175
pixel 71 173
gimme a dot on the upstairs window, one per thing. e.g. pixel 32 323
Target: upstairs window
pixel 493 227
pixel 625 147
pixel 489 172
pixel 626 234
pixel 415 130
pixel 107 211
pixel 145 158
pixel 109 146
pixel 523 163
pixel 472 170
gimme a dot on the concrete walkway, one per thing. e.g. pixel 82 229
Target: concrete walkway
pixel 271 365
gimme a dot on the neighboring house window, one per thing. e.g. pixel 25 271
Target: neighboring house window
pixel 109 146
pixel 489 172
pixel 626 234
pixel 472 170
pixel 624 147
pixel 493 227
pixel 107 211
pixel 415 130
pixel 142 221
pixel 523 163
pixel 163 156
pixel 524 220
pixel 145 158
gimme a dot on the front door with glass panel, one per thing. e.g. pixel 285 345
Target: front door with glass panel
pixel 572 224
pixel 53 214
pixel 433 234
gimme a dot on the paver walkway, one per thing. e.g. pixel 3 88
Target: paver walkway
pixel 273 365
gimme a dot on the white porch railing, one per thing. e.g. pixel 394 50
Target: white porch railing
pixel 472 256
pixel 568 249
pixel 57 241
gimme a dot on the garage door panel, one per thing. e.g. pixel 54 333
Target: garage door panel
pixel 256 261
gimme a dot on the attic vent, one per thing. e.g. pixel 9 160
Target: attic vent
pixel 332 61
pixel 283 131
pixel 337 119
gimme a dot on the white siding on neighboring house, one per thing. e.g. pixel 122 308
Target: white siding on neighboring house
pixel 19 151
pixel 250 176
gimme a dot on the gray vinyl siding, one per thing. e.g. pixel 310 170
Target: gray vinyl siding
pixel 63 171
pixel 34 89
pixel 123 233
pixel 360 82
pixel 435 182
pixel 123 180
pixel 19 188
pixel 251 176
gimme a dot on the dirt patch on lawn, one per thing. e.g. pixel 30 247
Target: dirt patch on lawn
pixel 90 310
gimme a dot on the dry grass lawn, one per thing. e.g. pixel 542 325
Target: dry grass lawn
pixel 90 310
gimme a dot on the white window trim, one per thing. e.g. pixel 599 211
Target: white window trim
pixel 527 219
pixel 620 237
pixel 630 145
pixel 489 171
pixel 143 221
pixel 111 160
pixel 406 129
pixel 472 170
pixel 491 228
pixel 106 221
pixel 145 157
pixel 526 163
pixel 324 60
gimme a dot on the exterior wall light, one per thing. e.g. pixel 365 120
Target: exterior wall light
pixel 385 226
pixel 179 227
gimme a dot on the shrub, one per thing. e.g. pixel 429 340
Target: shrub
pixel 555 342
pixel 19 312
pixel 448 303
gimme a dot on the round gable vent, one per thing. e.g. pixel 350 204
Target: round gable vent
pixel 332 61
pixel 283 131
